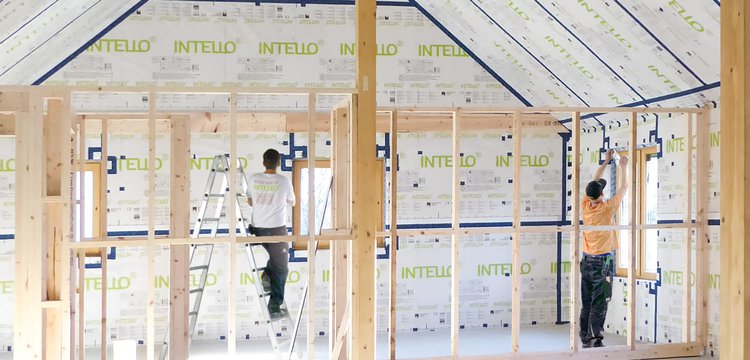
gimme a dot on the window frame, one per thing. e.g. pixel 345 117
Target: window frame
pixel 641 159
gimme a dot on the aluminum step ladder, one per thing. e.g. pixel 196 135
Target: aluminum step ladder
pixel 200 258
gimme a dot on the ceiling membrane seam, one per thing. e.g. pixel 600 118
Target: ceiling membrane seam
pixel 465 48
pixel 657 99
pixel 50 38
pixel 532 55
pixel 659 41
pixel 85 46
pixel 717 2
pixel 28 22
pixel 589 49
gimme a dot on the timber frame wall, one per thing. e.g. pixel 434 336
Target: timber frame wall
pixel 352 322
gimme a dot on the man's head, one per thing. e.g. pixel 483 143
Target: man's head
pixel 271 159
pixel 595 189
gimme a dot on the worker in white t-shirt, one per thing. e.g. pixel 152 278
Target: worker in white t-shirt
pixel 269 194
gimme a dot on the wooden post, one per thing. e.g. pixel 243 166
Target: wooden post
pixel 54 128
pixel 341 169
pixel 27 329
pixel 735 180
pixel 455 237
pixel 67 286
pixel 81 303
pixel 179 226
pixel 515 327
pixel 81 237
pixel 633 232
pixel 393 233
pixel 232 215
pixel 364 202
pixel 311 226
pixel 575 239
pixel 702 236
pixel 102 231
pixel 687 291
pixel 150 247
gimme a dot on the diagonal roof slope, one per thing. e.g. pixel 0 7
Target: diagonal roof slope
pixel 37 35
pixel 591 52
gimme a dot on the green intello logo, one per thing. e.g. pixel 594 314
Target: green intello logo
pixel 440 50
pixel 685 16
pixel 120 45
pixel 604 23
pixel 204 47
pixel 570 58
pixel 485 270
pixel 348 49
pixel 7 165
pixel 287 48
pixel 526 160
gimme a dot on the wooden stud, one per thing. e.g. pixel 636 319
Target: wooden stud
pixel 67 286
pixel 102 230
pixel 341 170
pixel 575 239
pixel 364 202
pixel 516 267
pixel 179 226
pixel 29 264
pixel 232 215
pixel 81 304
pixel 455 237
pixel 151 247
pixel 688 256
pixel 393 234
pixel 311 226
pixel 53 221
pixel 633 232
pixel 702 237
pixel 735 180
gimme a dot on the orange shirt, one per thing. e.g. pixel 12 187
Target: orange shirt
pixel 599 242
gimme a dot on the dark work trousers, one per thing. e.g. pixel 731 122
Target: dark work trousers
pixel 596 290
pixel 278 263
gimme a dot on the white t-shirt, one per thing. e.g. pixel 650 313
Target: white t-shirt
pixel 270 194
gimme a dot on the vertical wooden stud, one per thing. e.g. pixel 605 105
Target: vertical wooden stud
pixel 687 291
pixel 575 239
pixel 393 231
pixel 151 246
pixel 516 267
pixel 341 169
pixel 311 226
pixel 28 328
pixel 102 231
pixel 179 226
pixel 81 235
pixel 232 216
pixel 702 236
pixel 633 231
pixel 455 237
pixel 364 202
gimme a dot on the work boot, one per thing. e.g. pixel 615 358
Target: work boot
pixel 598 343
pixel 265 279
pixel 276 311
pixel 586 343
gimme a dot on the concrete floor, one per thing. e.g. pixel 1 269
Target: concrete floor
pixel 420 344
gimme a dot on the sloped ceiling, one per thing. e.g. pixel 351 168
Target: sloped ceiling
pixel 36 35
pixel 592 52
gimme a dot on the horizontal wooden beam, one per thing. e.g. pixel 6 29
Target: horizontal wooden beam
pixel 297 122
pixel 14 101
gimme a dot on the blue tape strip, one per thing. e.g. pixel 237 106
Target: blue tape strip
pixel 589 49
pixel 564 217
pixel 656 99
pixel 306 2
pixel 466 49
pixel 659 41
pixel 85 46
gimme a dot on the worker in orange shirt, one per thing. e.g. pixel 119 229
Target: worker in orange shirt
pixel 597 265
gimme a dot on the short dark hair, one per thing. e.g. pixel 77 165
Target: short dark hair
pixel 595 188
pixel 271 159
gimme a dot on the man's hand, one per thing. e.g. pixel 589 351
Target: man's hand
pixel 623 161
pixel 608 156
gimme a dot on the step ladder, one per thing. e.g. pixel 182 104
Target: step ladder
pixel 220 167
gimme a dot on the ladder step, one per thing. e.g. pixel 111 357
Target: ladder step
pixel 260 269
pixel 222 195
pixel 205 220
pixel 198 267
pixel 193 291
pixel 193 313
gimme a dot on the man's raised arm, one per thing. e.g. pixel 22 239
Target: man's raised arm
pixel 600 171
